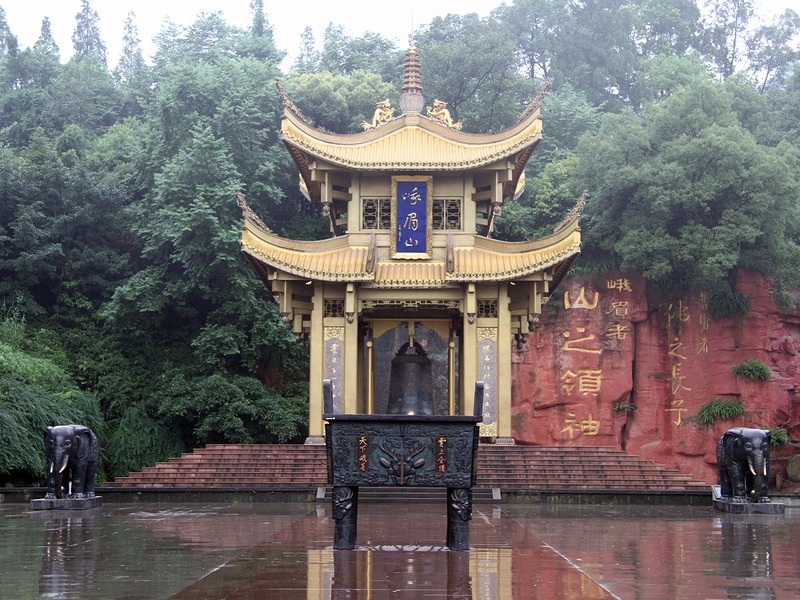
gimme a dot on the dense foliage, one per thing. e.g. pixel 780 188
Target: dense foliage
pixel 752 368
pixel 720 409
pixel 126 305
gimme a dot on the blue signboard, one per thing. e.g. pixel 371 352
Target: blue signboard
pixel 411 217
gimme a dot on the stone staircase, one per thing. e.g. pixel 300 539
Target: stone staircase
pixel 575 469
pixel 507 468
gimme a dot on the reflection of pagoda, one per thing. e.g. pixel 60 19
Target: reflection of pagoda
pixel 411 202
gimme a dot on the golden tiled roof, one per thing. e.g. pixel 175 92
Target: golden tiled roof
pixel 409 142
pixel 325 260
pixel 393 274
pixel 490 260
pixel 336 260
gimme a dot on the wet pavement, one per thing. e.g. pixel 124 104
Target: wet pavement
pixel 284 550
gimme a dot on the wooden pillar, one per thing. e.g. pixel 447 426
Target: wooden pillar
pixel 316 347
pixel 469 367
pixel 503 367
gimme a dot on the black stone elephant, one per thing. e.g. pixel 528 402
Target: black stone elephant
pixel 71 452
pixel 743 461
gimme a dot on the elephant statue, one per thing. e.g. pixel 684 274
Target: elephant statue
pixel 743 461
pixel 71 452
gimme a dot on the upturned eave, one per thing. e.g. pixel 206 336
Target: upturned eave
pixel 410 143
pixel 336 260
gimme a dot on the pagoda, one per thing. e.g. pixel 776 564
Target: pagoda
pixel 411 202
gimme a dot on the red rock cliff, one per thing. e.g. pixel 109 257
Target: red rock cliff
pixel 604 345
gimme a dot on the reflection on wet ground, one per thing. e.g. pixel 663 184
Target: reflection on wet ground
pixel 283 550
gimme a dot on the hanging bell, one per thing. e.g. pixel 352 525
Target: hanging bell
pixel 411 382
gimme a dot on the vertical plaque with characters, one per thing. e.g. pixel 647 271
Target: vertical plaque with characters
pixel 412 216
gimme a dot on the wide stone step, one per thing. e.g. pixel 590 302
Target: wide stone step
pixel 506 467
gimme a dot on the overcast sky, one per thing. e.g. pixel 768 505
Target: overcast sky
pixel 394 20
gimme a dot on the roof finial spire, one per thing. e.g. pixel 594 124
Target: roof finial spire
pixel 411 100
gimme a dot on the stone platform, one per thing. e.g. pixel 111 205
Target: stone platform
pixel 66 503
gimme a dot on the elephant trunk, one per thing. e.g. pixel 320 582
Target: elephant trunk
pixel 60 462
pixel 758 469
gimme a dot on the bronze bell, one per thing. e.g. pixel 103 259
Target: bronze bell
pixel 411 382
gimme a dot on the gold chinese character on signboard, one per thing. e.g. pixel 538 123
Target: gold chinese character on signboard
pixel 677 380
pixel 617 331
pixel 674 346
pixel 570 345
pixel 619 309
pixel 572 425
pixel 677 314
pixel 677 407
pixel 568 377
pixel 580 301
pixel 590 426
pixel 622 285
pixel 589 381
pixel 587 426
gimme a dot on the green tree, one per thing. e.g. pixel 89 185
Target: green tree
pixel 259 41
pixel 308 58
pixel 725 33
pixel 536 26
pixel 788 109
pixel 132 73
pixel 131 61
pixel 469 62
pixel 770 51
pixel 684 194
pixel 343 54
pixel 30 201
pixel 86 94
pixel 25 78
pixel 34 392
pixel 337 102
pixel 86 39
pixel 46 43
pixel 5 32
pixel 666 28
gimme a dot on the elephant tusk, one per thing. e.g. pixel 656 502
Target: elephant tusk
pixel 765 469
pixel 66 459
pixel 752 470
pixel 52 466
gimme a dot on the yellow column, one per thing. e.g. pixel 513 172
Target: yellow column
pixel 451 375
pixel 352 372
pixel 316 348
pixel 469 359
pixel 504 366
pixel 370 391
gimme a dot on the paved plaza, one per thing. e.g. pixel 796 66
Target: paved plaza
pixel 283 550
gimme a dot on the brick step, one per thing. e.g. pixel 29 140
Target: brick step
pixel 577 468
pixel 510 467
pixel 600 472
pixel 595 483
pixel 207 468
pixel 504 466
pixel 226 475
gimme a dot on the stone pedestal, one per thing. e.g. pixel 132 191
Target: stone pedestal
pixel 750 508
pixel 66 503
pixel 727 505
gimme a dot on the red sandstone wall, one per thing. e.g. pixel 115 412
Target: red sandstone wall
pixel 603 341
